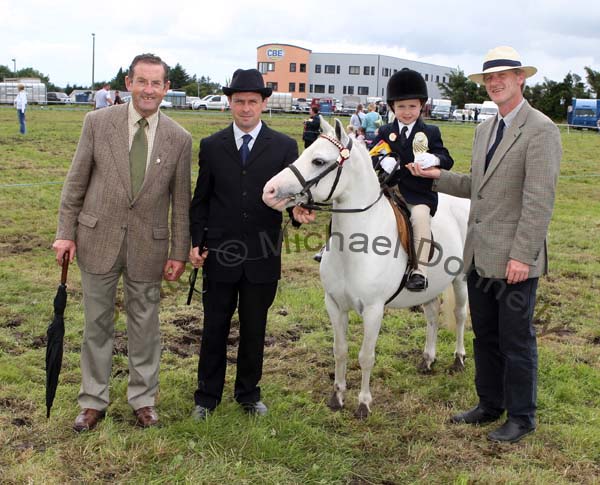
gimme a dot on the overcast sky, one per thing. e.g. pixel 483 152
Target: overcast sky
pixel 213 39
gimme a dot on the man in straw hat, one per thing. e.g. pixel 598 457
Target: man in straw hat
pixel 514 169
pixel 236 239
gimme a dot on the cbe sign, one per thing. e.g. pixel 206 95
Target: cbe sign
pixel 275 54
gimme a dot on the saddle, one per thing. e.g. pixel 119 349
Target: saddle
pixel 405 229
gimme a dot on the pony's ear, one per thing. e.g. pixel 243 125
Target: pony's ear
pixel 326 127
pixel 340 133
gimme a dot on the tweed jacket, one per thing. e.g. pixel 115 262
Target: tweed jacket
pixel 415 190
pixel 99 212
pixel 243 233
pixel 512 202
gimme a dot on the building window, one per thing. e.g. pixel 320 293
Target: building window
pixel 372 70
pixel 319 88
pixel 350 89
pixel 265 67
pixel 444 79
pixel 273 86
pixel 292 67
pixel 302 67
pixel 329 69
pixel 385 72
pixel 318 68
pixel 354 70
pixel 426 77
pixel 437 79
pixel 331 89
pixel 363 90
pixel 311 88
pixel 302 88
pixel 344 90
pixel 292 87
pixel 338 69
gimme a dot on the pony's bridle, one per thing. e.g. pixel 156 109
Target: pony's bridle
pixel 344 154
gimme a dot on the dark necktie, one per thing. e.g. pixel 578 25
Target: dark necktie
pixel 138 156
pixel 497 141
pixel 403 138
pixel 245 148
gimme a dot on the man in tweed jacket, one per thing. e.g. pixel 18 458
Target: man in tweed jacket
pixel 514 170
pixel 119 225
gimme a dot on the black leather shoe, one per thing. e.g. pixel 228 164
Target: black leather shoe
pixel 416 282
pixel 258 408
pixel 477 415
pixel 510 432
pixel 200 413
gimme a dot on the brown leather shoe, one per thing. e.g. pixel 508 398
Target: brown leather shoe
pixel 146 417
pixel 88 419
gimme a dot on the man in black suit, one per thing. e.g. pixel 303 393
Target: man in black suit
pixel 240 239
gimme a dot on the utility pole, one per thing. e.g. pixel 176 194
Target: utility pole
pixel 93 57
pixel 15 67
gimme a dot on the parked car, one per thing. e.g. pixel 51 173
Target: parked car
pixel 214 101
pixel 459 113
pixel 57 98
pixel 440 112
pixel 166 104
pixel 196 102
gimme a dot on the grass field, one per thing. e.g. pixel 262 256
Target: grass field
pixel 405 440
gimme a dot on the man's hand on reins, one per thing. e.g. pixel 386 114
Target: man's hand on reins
pixel 302 215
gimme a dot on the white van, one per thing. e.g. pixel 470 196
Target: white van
pixel 488 110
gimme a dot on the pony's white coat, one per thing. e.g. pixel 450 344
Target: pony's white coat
pixel 363 264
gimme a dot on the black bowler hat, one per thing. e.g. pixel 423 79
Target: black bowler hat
pixel 247 81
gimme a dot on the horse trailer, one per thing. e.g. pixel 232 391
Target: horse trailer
pixel 34 88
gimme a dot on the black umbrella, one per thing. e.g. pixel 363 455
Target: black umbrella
pixel 55 334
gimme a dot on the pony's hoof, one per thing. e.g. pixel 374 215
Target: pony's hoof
pixel 457 366
pixel 425 367
pixel 334 403
pixel 362 411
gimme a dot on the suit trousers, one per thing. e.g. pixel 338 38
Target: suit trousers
pixel 143 336
pixel 220 300
pixel 505 347
pixel 420 218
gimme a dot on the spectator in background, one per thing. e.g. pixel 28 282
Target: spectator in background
pixel 312 127
pixel 103 97
pixel 371 122
pixel 357 118
pixel 118 99
pixel 476 114
pixel 21 103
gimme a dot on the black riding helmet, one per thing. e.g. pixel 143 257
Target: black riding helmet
pixel 406 84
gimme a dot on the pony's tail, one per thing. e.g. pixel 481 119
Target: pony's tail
pixel 447 310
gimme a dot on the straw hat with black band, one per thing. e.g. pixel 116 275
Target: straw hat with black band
pixel 502 58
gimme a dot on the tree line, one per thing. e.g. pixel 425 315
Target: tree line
pixel 550 97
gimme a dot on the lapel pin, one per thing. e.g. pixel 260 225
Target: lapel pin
pixel 392 137
pixel 157 161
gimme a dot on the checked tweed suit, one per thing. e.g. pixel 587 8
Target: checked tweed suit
pixel 118 234
pixel 511 207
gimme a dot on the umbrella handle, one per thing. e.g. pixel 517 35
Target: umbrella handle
pixel 65 268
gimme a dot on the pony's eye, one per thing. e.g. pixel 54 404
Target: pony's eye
pixel 318 162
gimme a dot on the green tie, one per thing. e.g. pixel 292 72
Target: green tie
pixel 138 156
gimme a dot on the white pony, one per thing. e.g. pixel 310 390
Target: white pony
pixel 364 261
